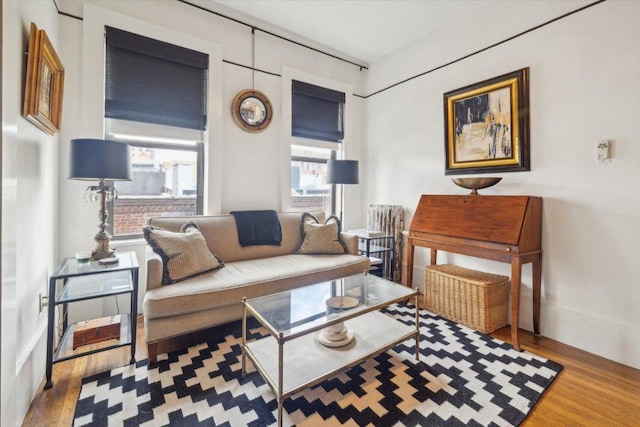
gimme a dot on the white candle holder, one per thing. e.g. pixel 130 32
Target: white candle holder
pixel 337 335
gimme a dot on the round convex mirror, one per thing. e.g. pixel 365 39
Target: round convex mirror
pixel 251 110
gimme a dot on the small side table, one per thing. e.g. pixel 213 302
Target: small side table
pixel 84 281
pixel 381 252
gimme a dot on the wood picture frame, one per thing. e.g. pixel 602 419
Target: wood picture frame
pixel 487 126
pixel 44 83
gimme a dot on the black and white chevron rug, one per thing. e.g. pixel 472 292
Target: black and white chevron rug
pixel 463 378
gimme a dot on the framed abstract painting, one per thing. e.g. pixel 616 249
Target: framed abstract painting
pixel 487 126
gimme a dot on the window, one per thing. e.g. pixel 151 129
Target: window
pixel 309 188
pixel 318 129
pixel 155 101
pixel 167 179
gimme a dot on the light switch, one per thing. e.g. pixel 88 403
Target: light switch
pixel 603 151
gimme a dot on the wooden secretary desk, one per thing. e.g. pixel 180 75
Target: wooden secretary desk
pixel 500 228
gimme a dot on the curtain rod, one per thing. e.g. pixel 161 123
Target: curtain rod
pixel 487 48
pixel 253 27
pixel 251 68
pixel 271 73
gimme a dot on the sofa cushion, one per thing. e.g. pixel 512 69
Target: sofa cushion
pixel 318 238
pixel 185 253
pixel 251 278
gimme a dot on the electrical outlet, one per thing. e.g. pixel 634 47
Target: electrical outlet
pixel 603 153
pixel 43 301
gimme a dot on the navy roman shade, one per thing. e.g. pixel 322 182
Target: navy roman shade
pixel 317 112
pixel 150 81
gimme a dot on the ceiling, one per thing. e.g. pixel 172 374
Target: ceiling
pixel 370 29
pixel 363 29
pixel 367 30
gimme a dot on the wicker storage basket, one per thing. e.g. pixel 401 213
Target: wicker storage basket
pixel 476 299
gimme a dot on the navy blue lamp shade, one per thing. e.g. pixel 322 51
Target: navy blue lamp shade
pixel 342 172
pixel 95 159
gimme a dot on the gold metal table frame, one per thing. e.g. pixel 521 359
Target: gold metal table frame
pixel 290 359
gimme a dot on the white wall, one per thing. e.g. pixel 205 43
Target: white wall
pixel 29 215
pixel 583 87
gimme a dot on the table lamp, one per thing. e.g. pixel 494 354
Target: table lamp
pixel 100 160
pixel 342 172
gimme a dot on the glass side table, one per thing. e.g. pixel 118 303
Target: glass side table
pixel 74 281
pixel 381 253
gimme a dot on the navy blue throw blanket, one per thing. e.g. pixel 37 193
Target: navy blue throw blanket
pixel 258 228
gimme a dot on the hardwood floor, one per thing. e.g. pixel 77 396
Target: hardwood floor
pixel 590 391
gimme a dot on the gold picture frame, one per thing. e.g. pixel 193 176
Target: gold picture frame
pixel 487 126
pixel 44 83
pixel 252 110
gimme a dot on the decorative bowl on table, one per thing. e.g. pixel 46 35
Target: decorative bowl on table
pixel 83 256
pixel 475 184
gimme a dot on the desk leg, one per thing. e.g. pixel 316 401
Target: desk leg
pixel 417 308
pixel 516 275
pixel 537 279
pixel 410 249
pixel 434 257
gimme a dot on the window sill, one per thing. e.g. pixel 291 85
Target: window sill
pixel 128 242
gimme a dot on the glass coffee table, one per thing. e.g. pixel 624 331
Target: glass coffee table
pixel 302 349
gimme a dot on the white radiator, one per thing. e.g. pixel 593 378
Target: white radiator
pixel 390 220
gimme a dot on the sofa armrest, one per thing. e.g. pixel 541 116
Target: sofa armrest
pixel 350 241
pixel 154 269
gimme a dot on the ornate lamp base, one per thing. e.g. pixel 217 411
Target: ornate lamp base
pixel 100 254
pixel 102 238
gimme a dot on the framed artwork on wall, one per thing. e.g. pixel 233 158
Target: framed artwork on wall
pixel 44 83
pixel 487 126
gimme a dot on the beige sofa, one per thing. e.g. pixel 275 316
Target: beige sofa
pixel 216 297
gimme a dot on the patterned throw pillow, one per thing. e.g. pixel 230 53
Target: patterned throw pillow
pixel 184 254
pixel 320 238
